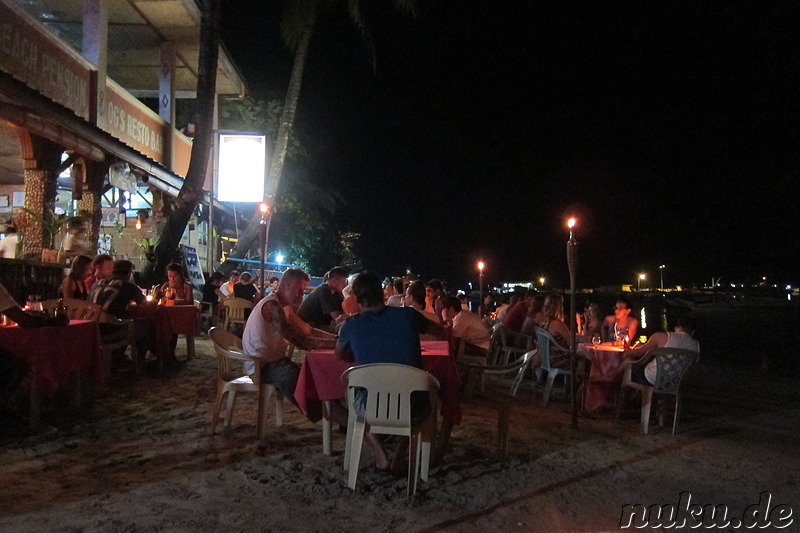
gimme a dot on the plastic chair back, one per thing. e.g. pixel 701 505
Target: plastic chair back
pixel 226 342
pixel 388 410
pixel 234 310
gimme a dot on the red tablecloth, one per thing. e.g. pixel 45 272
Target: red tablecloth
pixel 56 352
pixel 604 375
pixel 167 321
pixel 321 378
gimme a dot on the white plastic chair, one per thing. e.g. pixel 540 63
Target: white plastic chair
pixel 234 311
pixel 229 355
pixel 671 366
pixel 388 411
pixel 545 342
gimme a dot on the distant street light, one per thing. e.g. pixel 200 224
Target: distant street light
pixel 481 266
pixel 541 281
pixel 572 264
pixel 639 280
pixel 279 258
pixel 661 271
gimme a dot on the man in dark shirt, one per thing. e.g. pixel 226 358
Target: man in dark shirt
pixel 115 293
pixel 324 305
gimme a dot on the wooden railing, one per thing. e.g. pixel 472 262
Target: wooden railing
pixel 24 277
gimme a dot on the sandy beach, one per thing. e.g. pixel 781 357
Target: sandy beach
pixel 139 458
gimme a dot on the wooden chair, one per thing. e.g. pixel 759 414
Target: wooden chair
pixel 503 400
pixel 671 366
pixel 230 379
pixel 388 411
pixel 235 311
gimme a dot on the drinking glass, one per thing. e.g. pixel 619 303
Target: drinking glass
pixel 596 340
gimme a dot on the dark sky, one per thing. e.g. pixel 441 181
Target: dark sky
pixel 670 130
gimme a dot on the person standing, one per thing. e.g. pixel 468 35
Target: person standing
pixel 8 246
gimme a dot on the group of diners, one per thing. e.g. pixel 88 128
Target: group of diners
pixel 524 313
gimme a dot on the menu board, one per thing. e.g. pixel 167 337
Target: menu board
pixel 192 265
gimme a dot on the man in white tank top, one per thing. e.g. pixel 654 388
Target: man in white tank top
pixel 272 325
pixel 680 338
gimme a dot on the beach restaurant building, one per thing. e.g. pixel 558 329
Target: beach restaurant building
pixel 76 135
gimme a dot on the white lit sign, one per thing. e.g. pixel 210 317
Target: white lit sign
pixel 241 167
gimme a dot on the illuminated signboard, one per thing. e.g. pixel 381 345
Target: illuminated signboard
pixel 241 166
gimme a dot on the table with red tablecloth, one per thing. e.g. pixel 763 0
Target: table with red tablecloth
pixel 321 380
pixel 168 321
pixel 604 374
pixel 55 354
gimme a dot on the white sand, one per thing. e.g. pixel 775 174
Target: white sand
pixel 140 459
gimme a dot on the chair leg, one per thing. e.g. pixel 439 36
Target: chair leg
pixel 278 408
pixel 229 410
pixel 677 413
pixel 551 377
pixel 647 401
pixel 190 347
pixel 217 407
pixel 348 442
pixel 621 397
pixel 264 392
pixel 502 432
pixel 413 462
pixel 359 427
pixel 327 449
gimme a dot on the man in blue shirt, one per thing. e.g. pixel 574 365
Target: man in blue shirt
pixel 381 334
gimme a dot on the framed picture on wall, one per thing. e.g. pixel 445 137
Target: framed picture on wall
pixel 4 200
pixel 18 198
pixel 110 216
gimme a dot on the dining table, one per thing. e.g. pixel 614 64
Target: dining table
pixel 320 382
pixel 58 356
pixel 605 374
pixel 165 322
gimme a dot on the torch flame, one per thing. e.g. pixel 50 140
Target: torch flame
pixel 571 223
pixel 481 265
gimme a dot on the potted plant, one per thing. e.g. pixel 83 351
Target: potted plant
pixel 53 226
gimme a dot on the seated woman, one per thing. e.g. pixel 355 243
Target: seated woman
pixel 553 323
pixel 620 325
pixel 176 281
pixel 77 283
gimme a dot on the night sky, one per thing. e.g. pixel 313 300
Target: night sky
pixel 670 129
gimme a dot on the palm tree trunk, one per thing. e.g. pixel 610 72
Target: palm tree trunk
pixel 248 237
pixel 180 209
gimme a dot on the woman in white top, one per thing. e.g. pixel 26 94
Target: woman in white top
pixel 680 338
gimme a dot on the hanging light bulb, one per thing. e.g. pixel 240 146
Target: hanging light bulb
pixel 139 222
